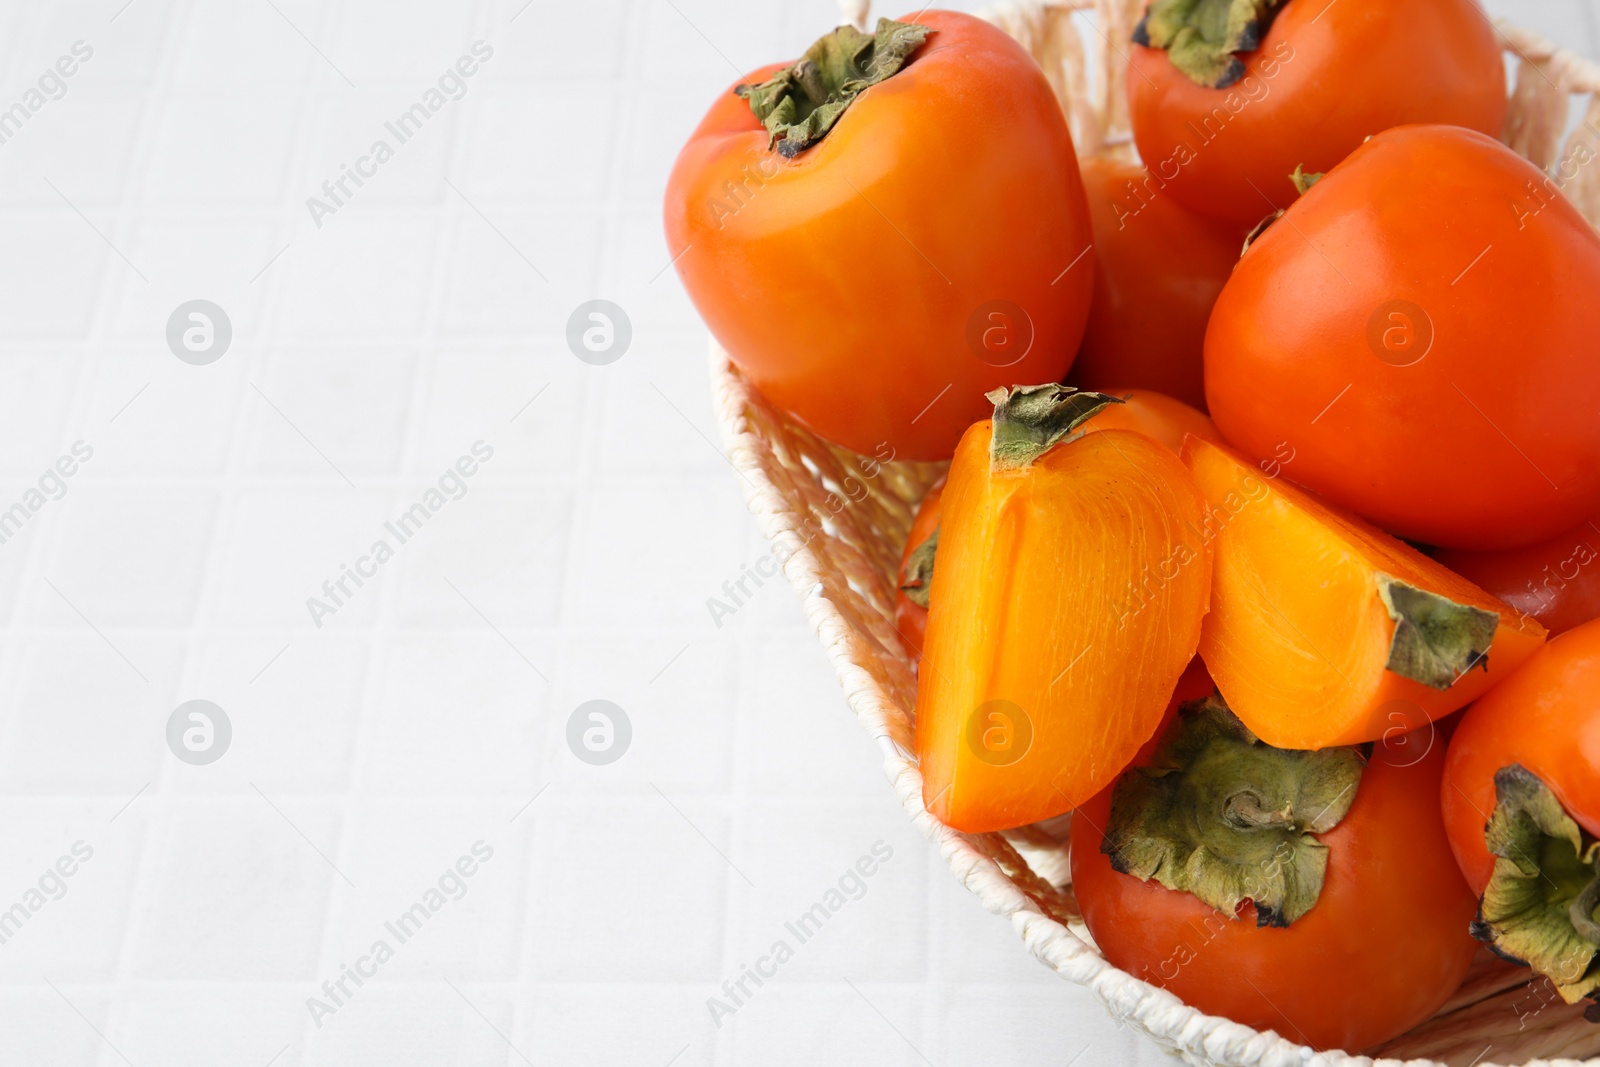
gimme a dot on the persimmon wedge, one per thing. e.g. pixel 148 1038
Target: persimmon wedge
pixel 1067 600
pixel 1158 417
pixel 1326 631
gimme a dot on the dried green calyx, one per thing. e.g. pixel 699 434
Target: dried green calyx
pixel 1226 817
pixel 799 104
pixel 1302 180
pixel 1203 38
pixel 1539 906
pixel 1436 640
pixel 917 578
pixel 1258 229
pixel 1030 420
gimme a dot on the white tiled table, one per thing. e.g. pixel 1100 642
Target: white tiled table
pixel 429 712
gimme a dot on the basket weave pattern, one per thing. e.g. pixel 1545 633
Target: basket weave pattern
pixel 837 521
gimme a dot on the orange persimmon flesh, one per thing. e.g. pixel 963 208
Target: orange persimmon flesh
pixel 1155 415
pixel 1298 638
pixel 1065 605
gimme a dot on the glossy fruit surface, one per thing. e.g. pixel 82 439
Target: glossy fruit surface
pixel 1325 77
pixel 1555 581
pixel 933 245
pixel 1385 944
pixel 1420 329
pixel 1545 717
pixel 1521 801
pixel 1159 269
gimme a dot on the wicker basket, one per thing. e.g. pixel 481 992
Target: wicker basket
pixel 838 520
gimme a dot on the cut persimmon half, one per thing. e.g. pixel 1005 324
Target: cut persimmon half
pixel 1159 417
pixel 1323 629
pixel 1067 600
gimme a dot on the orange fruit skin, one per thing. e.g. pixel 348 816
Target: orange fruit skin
pixel 845 282
pixel 1382 949
pixel 1426 347
pixel 1325 77
pixel 1545 717
pixel 1555 581
pixel 1160 268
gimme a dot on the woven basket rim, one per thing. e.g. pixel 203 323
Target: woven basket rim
pixel 1198 1037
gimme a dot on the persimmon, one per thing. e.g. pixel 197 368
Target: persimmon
pixel 1194 685
pixel 879 233
pixel 1555 581
pixel 1521 800
pixel 1311 893
pixel 916 571
pixel 1065 606
pixel 1324 630
pixel 1419 327
pixel 1159 269
pixel 1224 108
pixel 1158 417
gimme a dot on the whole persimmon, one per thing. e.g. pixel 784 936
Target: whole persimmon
pixel 1225 108
pixel 885 230
pixel 1419 330
pixel 1311 893
pixel 1521 799
pixel 1159 268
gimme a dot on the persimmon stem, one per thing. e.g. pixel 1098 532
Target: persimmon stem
pixel 1030 420
pixel 1538 907
pixel 1436 640
pixel 918 576
pixel 1202 38
pixel 1581 912
pixel 800 103
pixel 1227 818
pixel 1302 180
pixel 1244 810
pixel 1259 229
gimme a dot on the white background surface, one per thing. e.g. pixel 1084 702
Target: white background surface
pixel 430 712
